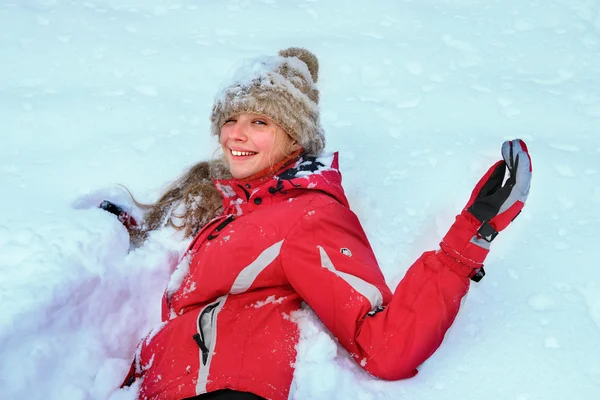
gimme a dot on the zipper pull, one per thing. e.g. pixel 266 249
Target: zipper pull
pixel 202 346
pixel 214 234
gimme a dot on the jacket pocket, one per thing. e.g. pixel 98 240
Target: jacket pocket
pixel 206 325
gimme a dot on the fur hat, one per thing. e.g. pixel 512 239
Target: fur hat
pixel 282 88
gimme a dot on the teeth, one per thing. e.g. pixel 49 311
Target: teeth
pixel 241 153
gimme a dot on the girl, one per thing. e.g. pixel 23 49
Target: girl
pixel 274 230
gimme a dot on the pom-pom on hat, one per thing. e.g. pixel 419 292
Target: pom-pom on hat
pixel 281 87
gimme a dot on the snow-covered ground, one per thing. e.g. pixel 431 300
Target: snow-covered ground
pixel 417 95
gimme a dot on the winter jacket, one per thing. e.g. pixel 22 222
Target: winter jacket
pixel 228 310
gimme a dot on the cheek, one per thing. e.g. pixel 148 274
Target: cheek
pixel 263 141
pixel 223 136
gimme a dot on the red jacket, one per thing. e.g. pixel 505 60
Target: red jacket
pixel 281 241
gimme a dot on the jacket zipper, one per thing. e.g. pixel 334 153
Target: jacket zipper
pixel 206 326
pixel 215 233
pixel 209 225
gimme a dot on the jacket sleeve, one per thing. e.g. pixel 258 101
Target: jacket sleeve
pixel 329 262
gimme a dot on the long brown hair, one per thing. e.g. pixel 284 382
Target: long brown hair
pixel 187 204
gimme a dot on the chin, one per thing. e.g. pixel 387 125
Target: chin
pixel 240 173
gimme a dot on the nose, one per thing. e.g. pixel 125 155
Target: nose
pixel 237 132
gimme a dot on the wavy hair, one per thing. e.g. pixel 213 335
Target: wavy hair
pixel 187 204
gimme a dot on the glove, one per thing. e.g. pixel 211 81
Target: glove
pixel 123 216
pixel 491 208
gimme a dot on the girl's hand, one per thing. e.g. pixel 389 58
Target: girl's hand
pixel 493 205
pixel 123 216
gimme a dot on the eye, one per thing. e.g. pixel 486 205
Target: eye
pixel 230 120
pixel 259 122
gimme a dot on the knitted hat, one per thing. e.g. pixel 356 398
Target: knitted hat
pixel 282 88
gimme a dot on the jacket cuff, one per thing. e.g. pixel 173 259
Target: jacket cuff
pixel 455 265
pixel 462 241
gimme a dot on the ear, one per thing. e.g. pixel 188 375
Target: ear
pixel 295 146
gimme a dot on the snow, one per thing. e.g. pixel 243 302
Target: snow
pixel 417 96
pixel 268 300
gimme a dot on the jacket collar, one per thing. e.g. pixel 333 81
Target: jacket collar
pixel 274 169
pixel 307 173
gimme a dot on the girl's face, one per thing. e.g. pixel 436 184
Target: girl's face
pixel 252 143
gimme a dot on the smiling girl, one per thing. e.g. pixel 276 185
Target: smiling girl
pixel 272 228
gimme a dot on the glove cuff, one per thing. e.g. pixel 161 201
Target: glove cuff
pixel 463 243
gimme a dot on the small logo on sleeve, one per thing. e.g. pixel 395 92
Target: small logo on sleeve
pixel 345 251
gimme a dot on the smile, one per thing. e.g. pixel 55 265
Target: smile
pixel 242 153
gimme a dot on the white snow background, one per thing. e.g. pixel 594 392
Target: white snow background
pixel 417 96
